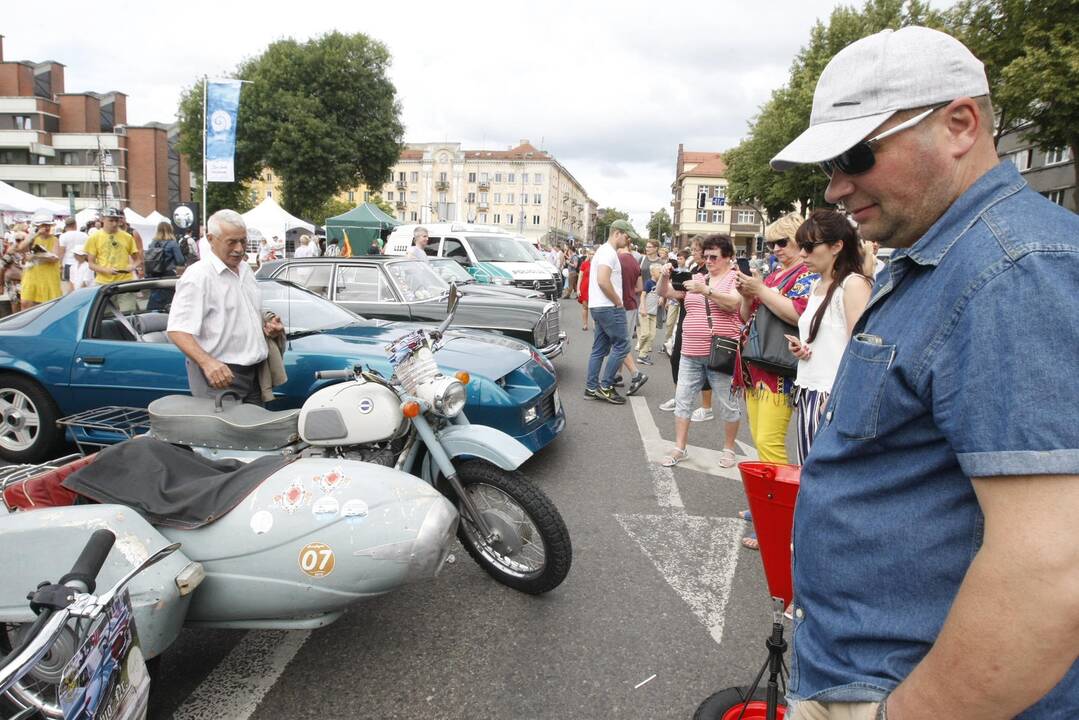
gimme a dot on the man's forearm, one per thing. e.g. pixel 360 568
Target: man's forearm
pixel 608 289
pixel 1010 637
pixel 189 346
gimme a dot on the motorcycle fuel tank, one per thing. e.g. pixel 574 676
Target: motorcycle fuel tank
pixel 351 413
pixel 313 538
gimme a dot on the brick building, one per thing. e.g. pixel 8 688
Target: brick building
pixel 60 145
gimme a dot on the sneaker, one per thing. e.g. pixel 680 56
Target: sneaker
pixel 610 395
pixel 618 382
pixel 702 415
pixel 637 383
pixel 668 406
pixel 589 394
pixel 644 361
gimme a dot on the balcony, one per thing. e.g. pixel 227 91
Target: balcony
pixel 485 184
pixel 59 173
pixel 401 205
pixel 402 185
pixel 442 185
pixel 483 205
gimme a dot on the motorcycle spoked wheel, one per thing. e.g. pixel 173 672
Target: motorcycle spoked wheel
pixel 734 703
pixel 40 687
pixel 535 553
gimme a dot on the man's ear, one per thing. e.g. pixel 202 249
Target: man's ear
pixel 962 124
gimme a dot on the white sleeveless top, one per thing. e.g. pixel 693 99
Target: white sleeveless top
pixel 818 373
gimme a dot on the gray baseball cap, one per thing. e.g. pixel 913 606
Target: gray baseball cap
pixel 872 79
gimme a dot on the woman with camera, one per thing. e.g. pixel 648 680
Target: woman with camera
pixel 41 275
pixel 711 309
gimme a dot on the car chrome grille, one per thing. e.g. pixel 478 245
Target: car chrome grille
pixel 544 286
pixel 553 325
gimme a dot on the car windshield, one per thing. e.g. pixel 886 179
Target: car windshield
pixel 532 250
pixel 498 249
pixel 450 270
pixel 415 280
pixel 301 310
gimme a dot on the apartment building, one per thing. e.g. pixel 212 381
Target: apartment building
pixel 699 205
pixel 78 147
pixel 1049 171
pixel 522 189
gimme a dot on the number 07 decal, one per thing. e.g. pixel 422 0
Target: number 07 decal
pixel 316 559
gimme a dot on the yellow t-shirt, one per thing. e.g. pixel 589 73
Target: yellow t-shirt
pixel 114 251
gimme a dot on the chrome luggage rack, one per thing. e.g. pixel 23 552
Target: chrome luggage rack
pixel 13 474
pixel 92 430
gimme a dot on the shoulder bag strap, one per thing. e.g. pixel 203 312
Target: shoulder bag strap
pixel 708 308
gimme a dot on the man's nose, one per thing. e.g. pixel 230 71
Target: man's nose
pixel 839 186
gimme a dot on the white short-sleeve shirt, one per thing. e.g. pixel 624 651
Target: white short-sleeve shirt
pixel 606 255
pixel 222 310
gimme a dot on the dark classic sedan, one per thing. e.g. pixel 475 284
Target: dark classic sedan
pixel 398 288
pixel 107 346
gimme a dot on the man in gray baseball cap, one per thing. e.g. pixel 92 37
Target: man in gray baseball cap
pixel 936 570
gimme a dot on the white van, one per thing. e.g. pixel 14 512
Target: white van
pixel 491 255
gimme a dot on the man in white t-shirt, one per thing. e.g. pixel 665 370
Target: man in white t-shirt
pixel 610 339
pixel 418 251
pixel 70 239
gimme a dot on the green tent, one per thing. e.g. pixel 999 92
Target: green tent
pixel 363 225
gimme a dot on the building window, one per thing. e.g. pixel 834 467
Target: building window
pixel 389 194
pixel 498 198
pixel 509 198
pixel 414 176
pixel 42 160
pixel 70 190
pixel 472 177
pixel 442 177
pixel 498 219
pixel 400 176
pixel 1055 196
pixel 442 197
pixel 509 219
pixel 702 216
pixel 746 217
pixel 413 196
pixel 69 158
pixel 1021 158
pixel 718 216
pixel 471 198
pixel 23 122
pixel 415 216
pixel 537 199
pixel 702 196
pixel 1058 155
pixel 483 178
pixel 511 178
pixel 483 217
pixel 367 196
pixel 535 219
pixel 524 178
pixel 352 196
pixel 539 178
pixel 498 179
pixel 269 192
pixel 38 188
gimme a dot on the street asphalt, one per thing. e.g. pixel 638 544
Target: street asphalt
pixel 661 607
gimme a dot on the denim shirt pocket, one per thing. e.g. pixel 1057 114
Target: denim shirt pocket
pixel 865 370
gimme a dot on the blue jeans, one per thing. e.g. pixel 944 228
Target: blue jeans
pixel 609 336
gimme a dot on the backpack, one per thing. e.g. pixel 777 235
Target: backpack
pixel 159 262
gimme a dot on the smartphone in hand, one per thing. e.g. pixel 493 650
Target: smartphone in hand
pixel 793 339
pixel 743 266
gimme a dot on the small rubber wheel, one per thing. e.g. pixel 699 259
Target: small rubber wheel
pixel 734 703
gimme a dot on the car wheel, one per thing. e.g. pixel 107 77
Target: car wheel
pixel 28 416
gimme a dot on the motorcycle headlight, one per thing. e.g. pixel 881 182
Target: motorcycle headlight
pixel 445 395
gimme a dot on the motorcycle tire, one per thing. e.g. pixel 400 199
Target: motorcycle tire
pixel 735 704
pixel 40 689
pixel 522 512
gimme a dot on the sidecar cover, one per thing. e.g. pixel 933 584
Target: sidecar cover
pixel 168 485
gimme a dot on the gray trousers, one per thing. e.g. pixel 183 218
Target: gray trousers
pixel 245 383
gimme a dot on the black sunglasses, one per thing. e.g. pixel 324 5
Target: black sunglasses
pixel 860 158
pixel 780 243
pixel 808 245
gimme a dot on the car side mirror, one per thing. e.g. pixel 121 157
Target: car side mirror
pixel 463 261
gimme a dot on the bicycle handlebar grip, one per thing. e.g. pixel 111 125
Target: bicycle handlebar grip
pixel 91 559
pixel 333 374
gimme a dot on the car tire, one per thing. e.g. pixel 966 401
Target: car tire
pixel 28 415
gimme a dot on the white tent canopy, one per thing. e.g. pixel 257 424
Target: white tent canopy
pixel 271 219
pixel 146 228
pixel 15 200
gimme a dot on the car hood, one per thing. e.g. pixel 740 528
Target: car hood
pixel 475 352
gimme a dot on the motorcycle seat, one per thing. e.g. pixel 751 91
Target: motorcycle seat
pixel 202 422
pixel 46 489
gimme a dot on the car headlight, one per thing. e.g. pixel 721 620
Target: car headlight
pixel 501 281
pixel 445 395
pixel 540 333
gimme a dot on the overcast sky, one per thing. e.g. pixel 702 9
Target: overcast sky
pixel 609 88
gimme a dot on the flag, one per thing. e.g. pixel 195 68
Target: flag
pixel 346 250
pixel 222 106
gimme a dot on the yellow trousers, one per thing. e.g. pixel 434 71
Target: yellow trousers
pixel 769 416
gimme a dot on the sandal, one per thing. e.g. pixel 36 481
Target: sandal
pixel 751 543
pixel 676 456
pixel 726 458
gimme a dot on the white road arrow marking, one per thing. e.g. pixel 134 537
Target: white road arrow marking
pixel 697 556
pixel 701 459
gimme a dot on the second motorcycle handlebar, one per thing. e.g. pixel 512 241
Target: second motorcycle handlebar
pixel 90 560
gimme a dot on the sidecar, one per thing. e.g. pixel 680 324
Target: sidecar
pixel 295 550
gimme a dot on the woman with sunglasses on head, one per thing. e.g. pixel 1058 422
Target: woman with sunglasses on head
pixel 695 264
pixel 41 276
pixel 785 292
pixel 830 247
pixel 711 306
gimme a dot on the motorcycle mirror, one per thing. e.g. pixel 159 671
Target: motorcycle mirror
pixel 158 556
pixel 451 308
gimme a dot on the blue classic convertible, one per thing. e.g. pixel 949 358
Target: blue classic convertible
pixel 107 346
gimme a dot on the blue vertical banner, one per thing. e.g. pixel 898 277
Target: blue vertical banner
pixel 222 107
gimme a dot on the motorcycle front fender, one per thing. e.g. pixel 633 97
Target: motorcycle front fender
pixel 43 544
pixel 479 441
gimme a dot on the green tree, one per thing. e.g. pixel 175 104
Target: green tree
pixel 604 220
pixel 659 225
pixel 380 202
pixel 331 208
pixel 323 114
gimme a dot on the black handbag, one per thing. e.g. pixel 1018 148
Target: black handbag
pixel 766 349
pixel 723 350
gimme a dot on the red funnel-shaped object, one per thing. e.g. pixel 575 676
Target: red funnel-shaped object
pixel 772 490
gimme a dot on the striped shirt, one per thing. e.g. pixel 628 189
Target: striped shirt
pixel 696 339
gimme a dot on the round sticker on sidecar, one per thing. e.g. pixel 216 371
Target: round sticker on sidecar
pixel 316 559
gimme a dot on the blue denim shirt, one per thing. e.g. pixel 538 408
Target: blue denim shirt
pixel 962 366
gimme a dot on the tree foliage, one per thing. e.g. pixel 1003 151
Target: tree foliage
pixel 604 220
pixel 331 208
pixel 659 225
pixel 382 204
pixel 323 114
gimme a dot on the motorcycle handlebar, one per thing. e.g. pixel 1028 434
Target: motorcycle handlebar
pixel 91 559
pixel 333 374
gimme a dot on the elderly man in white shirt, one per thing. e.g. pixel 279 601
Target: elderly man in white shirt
pixel 216 316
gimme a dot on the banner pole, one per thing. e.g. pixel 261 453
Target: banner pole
pixel 204 84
